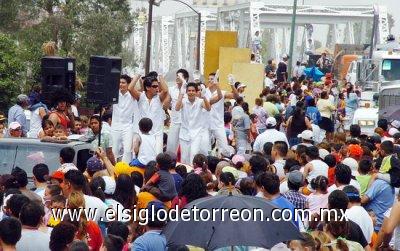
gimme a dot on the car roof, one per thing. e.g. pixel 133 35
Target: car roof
pixel 19 141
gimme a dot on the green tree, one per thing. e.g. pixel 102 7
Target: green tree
pixel 12 71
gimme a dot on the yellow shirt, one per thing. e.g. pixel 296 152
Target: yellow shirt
pixel 325 107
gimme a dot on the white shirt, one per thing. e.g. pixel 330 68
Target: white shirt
pixel 278 164
pixel 94 203
pixel 270 135
pixel 118 209
pixel 32 240
pixel 147 149
pixel 283 187
pixel 35 123
pixel 360 216
pixel 192 115
pixel 353 183
pixel 176 116
pixel 217 111
pixel 152 109
pixel 319 168
pixel 268 82
pixel 123 112
pixel 74 110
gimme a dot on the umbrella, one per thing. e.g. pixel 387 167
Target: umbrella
pixel 390 113
pixel 211 235
pixel 314 73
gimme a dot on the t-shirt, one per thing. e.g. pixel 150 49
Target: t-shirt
pixel 271 109
pixel 166 185
pixel 353 183
pixel 151 240
pixel 313 114
pixel 317 201
pixel 363 180
pixel 381 197
pixel 94 203
pixel 283 203
pixel 278 164
pixel 33 240
pixel 360 216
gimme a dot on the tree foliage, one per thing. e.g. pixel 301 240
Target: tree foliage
pixel 79 29
pixel 11 70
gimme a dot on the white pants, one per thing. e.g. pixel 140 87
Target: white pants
pixel 190 148
pixel 159 142
pixel 220 137
pixel 122 139
pixel 173 138
pixel 205 145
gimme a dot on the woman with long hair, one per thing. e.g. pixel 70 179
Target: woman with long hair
pixel 193 188
pixel 297 123
pixel 125 191
pixel 62 114
pixel 88 231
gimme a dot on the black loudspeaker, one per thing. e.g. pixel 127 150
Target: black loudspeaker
pixel 57 73
pixel 103 80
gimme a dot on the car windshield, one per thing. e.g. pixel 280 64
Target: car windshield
pixel 391 69
pixel 26 156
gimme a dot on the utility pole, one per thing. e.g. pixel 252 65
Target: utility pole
pixel 292 32
pixel 198 40
pixel 148 41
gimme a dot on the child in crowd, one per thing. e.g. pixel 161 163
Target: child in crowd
pixel 57 202
pixel 85 124
pixel 144 146
pixel 77 126
pixel 60 133
pixel 162 184
pixel 330 160
pixel 389 170
pixel 228 127
pixel 47 129
pixel 253 127
pixel 364 168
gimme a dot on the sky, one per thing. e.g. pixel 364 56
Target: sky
pixel 169 8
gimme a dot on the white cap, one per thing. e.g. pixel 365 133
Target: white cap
pixel 271 121
pixel 353 164
pixel 323 153
pixel 306 135
pixel 14 125
pixel 393 131
pixel 110 185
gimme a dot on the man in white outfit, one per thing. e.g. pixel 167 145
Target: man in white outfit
pixel 192 127
pixel 182 76
pixel 217 129
pixel 122 121
pixel 150 103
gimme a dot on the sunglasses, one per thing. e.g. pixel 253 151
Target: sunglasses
pixel 154 86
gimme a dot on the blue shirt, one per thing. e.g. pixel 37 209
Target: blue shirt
pixel 313 114
pixel 16 113
pixel 150 241
pixel 381 198
pixel 283 203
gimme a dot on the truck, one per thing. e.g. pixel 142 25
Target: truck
pixel 380 78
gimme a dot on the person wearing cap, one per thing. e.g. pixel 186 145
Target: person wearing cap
pixel 269 135
pixel 16 113
pixel 295 180
pixel 94 166
pixel 281 71
pixel 307 139
pixel 14 130
pixel 357 213
pixel 76 104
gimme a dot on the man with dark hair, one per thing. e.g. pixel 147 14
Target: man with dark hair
pixel 40 173
pixel 144 146
pixel 278 154
pixel 343 178
pixel 10 233
pixel 258 165
pixel 153 239
pixel 383 123
pixel 74 181
pixel 125 119
pixel 150 103
pixel 62 236
pixel 355 131
pixel 357 213
pixel 268 187
pixel 32 238
pixel 14 204
pixel 338 200
pixel 67 155
pixel 22 179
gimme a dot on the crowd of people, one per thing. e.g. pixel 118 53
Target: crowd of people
pixel 166 146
